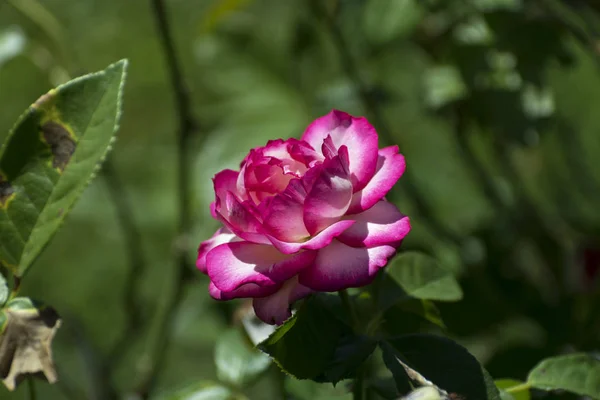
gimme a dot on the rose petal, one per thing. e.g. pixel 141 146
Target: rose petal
pixel 390 167
pixel 317 242
pixel 356 133
pixel 275 309
pixel 304 153
pixel 232 265
pixel 242 221
pixel 329 197
pixel 285 218
pixel 222 235
pixel 224 182
pixel 339 266
pixel 247 290
pixel 381 224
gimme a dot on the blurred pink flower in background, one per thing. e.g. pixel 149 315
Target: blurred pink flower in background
pixel 304 216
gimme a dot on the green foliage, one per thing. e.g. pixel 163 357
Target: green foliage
pixel 507 392
pixel 491 101
pixel 49 158
pixel 387 20
pixel 350 354
pixel 4 290
pixel 238 363
pixel 577 373
pixel 305 345
pixel 439 360
pixel 203 390
pixel 420 276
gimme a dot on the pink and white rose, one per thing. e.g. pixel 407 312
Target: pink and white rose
pixel 304 216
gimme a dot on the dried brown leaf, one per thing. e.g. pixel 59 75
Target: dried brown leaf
pixel 25 345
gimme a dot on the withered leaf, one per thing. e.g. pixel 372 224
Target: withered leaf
pixel 25 342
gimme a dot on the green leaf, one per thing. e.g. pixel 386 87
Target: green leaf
pixel 202 391
pixel 350 353
pixel 578 373
pixel 504 384
pixel 4 291
pixel 443 85
pixel 238 363
pixel 49 158
pixel 446 364
pixel 305 345
pixel 386 20
pixel 12 43
pixel 310 390
pixel 420 276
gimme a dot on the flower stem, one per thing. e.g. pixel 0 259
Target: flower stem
pixel 358 386
pixel 347 303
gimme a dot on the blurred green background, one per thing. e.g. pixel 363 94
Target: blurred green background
pixel 493 103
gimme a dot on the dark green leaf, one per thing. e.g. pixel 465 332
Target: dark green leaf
pixel 238 363
pixel 420 276
pixel 398 371
pixel 443 362
pixel 350 353
pixel 50 156
pixel 577 373
pixel 305 345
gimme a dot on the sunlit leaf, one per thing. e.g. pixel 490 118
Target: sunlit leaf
pixel 420 276
pixel 49 158
pixel 238 363
pixel 443 85
pixel 577 373
pixel 203 391
pixel 503 384
pixel 12 43
pixel 4 291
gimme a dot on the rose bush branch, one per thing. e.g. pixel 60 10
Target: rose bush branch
pixel 187 125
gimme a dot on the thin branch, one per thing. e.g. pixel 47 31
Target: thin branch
pixel 135 254
pixel 371 106
pixel 186 127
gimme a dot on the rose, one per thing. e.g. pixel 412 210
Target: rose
pixel 303 216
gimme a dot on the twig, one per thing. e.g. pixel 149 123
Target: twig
pixel 185 130
pixel 133 244
pixel 372 109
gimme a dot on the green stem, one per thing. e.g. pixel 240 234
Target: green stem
pixel 358 386
pixel 31 387
pixel 519 388
pixel 347 303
